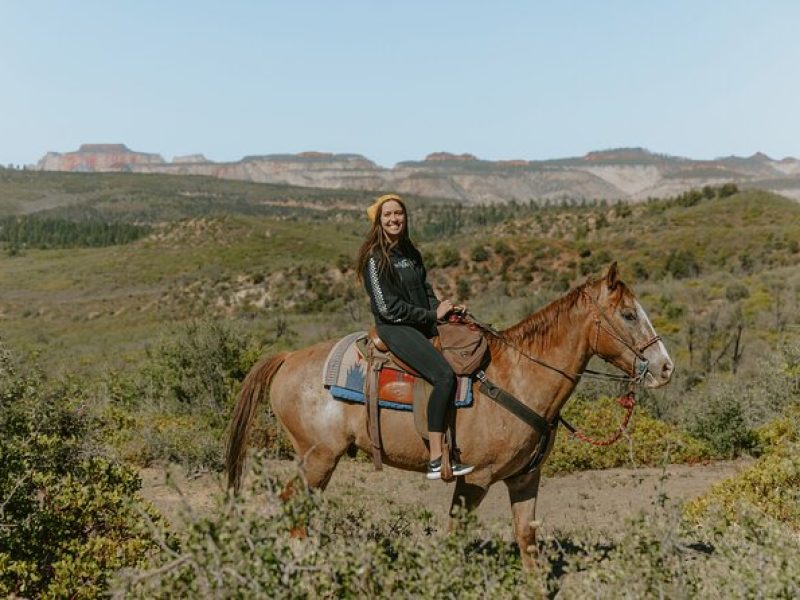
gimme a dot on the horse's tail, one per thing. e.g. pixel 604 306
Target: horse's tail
pixel 258 381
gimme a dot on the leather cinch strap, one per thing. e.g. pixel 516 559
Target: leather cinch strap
pixel 514 406
pixel 374 365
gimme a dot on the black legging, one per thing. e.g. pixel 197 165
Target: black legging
pixel 414 349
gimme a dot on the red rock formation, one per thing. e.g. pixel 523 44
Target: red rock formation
pixel 436 156
pixel 622 173
pixel 97 157
pixel 312 154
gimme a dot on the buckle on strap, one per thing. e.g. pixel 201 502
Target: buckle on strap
pixel 642 368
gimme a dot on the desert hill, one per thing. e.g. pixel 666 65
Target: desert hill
pixel 620 174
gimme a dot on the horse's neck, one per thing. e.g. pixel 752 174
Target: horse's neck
pixel 542 388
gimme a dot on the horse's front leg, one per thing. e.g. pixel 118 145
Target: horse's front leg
pixel 468 494
pixel 523 491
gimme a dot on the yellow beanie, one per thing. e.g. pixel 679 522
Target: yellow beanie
pixel 372 211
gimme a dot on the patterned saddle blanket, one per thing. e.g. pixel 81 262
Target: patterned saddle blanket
pixel 345 373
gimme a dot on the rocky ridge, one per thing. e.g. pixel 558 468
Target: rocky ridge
pixel 621 174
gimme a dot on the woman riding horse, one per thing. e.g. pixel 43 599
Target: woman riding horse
pixel 406 311
pixel 539 361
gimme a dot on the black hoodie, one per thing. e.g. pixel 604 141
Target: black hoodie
pixel 405 299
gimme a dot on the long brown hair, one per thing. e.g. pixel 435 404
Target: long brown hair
pixel 378 244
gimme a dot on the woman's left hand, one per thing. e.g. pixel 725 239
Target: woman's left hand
pixel 444 308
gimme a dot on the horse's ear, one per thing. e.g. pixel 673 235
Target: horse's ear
pixel 612 276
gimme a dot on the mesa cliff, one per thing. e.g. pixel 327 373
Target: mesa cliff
pixel 621 174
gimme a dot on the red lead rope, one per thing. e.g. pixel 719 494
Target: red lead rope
pixel 626 401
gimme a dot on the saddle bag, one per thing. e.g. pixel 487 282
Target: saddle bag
pixel 463 346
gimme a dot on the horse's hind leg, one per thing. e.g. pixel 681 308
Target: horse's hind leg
pixel 318 464
pixel 317 460
pixel 523 491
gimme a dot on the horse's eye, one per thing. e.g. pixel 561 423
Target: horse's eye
pixel 629 314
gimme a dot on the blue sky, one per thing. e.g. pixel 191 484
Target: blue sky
pixel 397 80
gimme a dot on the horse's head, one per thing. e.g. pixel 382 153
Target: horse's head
pixel 623 334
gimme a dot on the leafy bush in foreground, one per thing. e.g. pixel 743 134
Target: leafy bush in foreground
pixel 302 544
pixel 68 518
pixel 661 557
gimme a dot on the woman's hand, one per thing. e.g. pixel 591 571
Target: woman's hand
pixel 445 307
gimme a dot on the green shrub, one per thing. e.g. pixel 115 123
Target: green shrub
pixel 736 291
pixel 448 257
pixel 721 423
pixel 783 430
pixel 682 264
pixel 479 253
pixel 501 248
pixel 771 485
pixel 660 556
pixel 463 289
pixel 759 396
pixel 728 189
pixel 69 517
pixel 200 364
pixel 179 402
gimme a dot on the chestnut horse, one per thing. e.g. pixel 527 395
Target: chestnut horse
pixel 539 361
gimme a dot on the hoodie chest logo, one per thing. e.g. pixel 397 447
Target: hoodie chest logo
pixel 404 263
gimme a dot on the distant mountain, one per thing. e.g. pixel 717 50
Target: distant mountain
pixel 617 174
pixel 98 158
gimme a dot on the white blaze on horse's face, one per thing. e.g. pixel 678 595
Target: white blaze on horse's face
pixel 632 335
pixel 660 367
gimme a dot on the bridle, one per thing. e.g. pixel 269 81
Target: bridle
pixel 601 320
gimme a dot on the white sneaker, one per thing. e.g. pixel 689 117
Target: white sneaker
pixel 435 469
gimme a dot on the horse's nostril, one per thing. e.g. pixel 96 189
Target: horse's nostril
pixel 666 370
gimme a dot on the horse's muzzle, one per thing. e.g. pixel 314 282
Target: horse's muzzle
pixel 659 374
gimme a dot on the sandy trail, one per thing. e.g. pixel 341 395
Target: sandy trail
pixel 598 499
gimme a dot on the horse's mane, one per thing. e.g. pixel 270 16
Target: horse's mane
pixel 541 325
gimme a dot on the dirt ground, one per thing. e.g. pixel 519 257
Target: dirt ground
pixel 597 499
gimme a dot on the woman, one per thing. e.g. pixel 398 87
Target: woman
pixel 406 311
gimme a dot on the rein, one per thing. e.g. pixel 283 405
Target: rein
pixel 627 401
pixel 573 377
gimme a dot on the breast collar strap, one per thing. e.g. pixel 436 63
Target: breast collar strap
pixel 546 429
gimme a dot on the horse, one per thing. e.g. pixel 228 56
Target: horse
pixel 539 361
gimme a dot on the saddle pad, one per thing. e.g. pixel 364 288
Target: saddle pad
pixel 345 371
pixel 345 354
